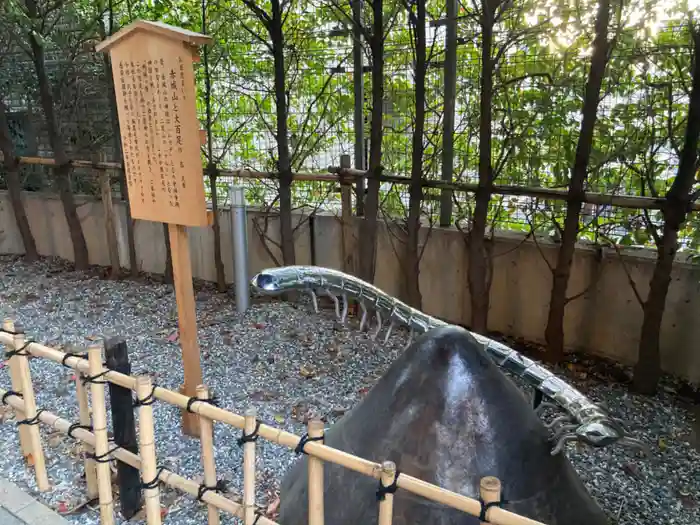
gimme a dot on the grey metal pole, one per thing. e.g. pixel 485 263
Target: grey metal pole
pixel 358 87
pixel 239 237
pixel 449 115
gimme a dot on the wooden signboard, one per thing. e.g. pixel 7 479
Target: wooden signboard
pixel 156 105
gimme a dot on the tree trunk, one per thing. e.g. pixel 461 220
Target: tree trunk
pixel 14 187
pixel 478 264
pixel 63 169
pixel 211 167
pixel 117 144
pixel 554 332
pixel 283 155
pixel 216 228
pixel 368 226
pixel 678 199
pixel 412 256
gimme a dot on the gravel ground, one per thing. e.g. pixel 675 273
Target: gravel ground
pixel 291 363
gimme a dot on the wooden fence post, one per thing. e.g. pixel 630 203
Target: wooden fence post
pixel 206 436
pixel 347 220
pixel 124 427
pixel 85 420
pixel 30 412
pixel 249 467
pixel 110 218
pixel 149 470
pixel 386 504
pixel 490 491
pixel 13 364
pixel 316 482
pixel 99 422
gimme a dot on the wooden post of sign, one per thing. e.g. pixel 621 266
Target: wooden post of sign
pixel 187 320
pixel 156 104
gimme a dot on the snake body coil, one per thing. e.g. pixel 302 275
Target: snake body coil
pixel 584 420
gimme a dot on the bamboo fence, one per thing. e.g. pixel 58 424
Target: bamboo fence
pixel 92 371
pixel 346 176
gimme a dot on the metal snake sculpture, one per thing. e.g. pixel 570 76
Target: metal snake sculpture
pixel 584 420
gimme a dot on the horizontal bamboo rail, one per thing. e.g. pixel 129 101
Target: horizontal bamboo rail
pixel 351 175
pixel 497 515
pixel 168 477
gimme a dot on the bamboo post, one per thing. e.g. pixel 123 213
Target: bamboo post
pixel 490 491
pixel 249 468
pixel 316 514
pixel 99 422
pixel 84 415
pixel 168 478
pixel 206 436
pixel 149 469
pixel 386 505
pixel 37 452
pixel 13 364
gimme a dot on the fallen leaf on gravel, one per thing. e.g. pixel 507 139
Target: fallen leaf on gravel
pixel 92 337
pixel 662 444
pixel 687 500
pixel 62 507
pixel 307 372
pixel 271 510
pixel 259 326
pixel 279 418
pixel 262 395
pixel 174 336
pixel 632 470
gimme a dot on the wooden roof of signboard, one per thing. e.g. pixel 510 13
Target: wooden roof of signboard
pixel 155 28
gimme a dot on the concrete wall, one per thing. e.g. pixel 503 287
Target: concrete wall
pixel 605 321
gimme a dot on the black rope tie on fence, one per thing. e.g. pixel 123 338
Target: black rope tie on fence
pixel 249 438
pixel 148 400
pixel 95 378
pixel 258 515
pixel 103 458
pixel 32 421
pixel 156 479
pixel 213 400
pixel 10 332
pixel 76 426
pixel 10 393
pixel 221 486
pixel 486 506
pixel 303 441
pixel 382 491
pixel 72 354
pixel 19 351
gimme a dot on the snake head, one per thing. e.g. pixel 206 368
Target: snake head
pixel 599 432
pixel 266 283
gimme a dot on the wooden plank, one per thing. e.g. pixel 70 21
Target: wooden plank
pixel 156 103
pixel 187 320
pixel 124 428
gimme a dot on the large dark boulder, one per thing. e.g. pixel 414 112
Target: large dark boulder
pixel 446 414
